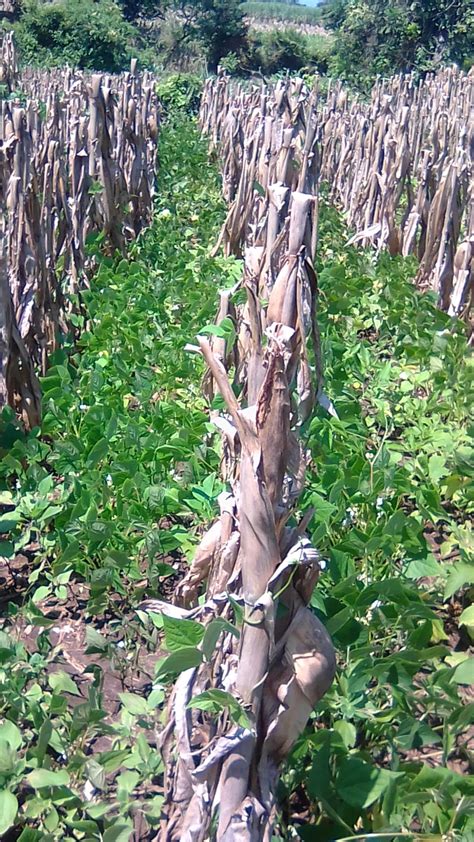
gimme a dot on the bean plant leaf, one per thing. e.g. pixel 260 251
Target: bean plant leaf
pixel 461 574
pixel 216 701
pixel 360 784
pixel 41 778
pixel 183 659
pixel 211 635
pixel 8 810
pixel 179 633
pixel 61 682
pixel 135 705
pixel 464 672
pixel 11 734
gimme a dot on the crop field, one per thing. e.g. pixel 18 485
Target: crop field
pixel 285 12
pixel 236 461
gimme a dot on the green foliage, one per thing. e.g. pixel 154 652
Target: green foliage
pixel 394 466
pixel 141 9
pixel 180 92
pixel 279 51
pixel 374 37
pixel 191 33
pixel 91 35
pixel 288 49
pixel 217 25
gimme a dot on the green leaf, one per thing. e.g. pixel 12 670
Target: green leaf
pixel 135 705
pixel 437 468
pixel 95 641
pixel 360 784
pixel 60 682
pixel 216 701
pixel 211 635
pixel 41 593
pixel 323 509
pixel 179 633
pixel 114 759
pixel 467 618
pixel 464 672
pixel 179 661
pixel 118 833
pixel 30 835
pixel 421 567
pixel 127 781
pixel 8 522
pixel 337 621
pixel 44 736
pixel 40 778
pixel 8 810
pixel 461 574
pixel 347 732
pixel 11 734
pixel 97 453
pixel 7 549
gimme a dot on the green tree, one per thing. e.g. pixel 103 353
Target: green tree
pixel 134 10
pixel 376 37
pixel 91 35
pixel 217 25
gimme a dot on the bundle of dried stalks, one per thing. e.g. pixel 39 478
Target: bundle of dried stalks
pixel 77 158
pixel 256 555
pixel 8 63
pixel 399 166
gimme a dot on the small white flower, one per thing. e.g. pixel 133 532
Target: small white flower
pixel 83 407
pixel 350 518
pixel 379 502
pixel 375 604
pixel 322 564
pixel 88 791
pixel 108 480
pixel 121 644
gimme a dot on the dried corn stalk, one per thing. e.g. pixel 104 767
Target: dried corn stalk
pixel 400 166
pixel 256 554
pixel 78 158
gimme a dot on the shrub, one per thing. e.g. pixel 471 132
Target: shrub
pixel 278 51
pixel 91 35
pixel 180 92
pixel 379 38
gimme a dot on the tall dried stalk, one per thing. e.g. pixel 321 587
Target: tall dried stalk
pixel 256 555
pixel 400 166
pixel 78 158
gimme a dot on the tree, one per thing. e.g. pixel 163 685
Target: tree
pixel 134 10
pixel 376 37
pixel 91 35
pixel 217 25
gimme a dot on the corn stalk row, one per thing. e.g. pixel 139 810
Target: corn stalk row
pixel 400 166
pixel 77 158
pixel 255 566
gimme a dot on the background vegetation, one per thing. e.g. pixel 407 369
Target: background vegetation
pixel 364 37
